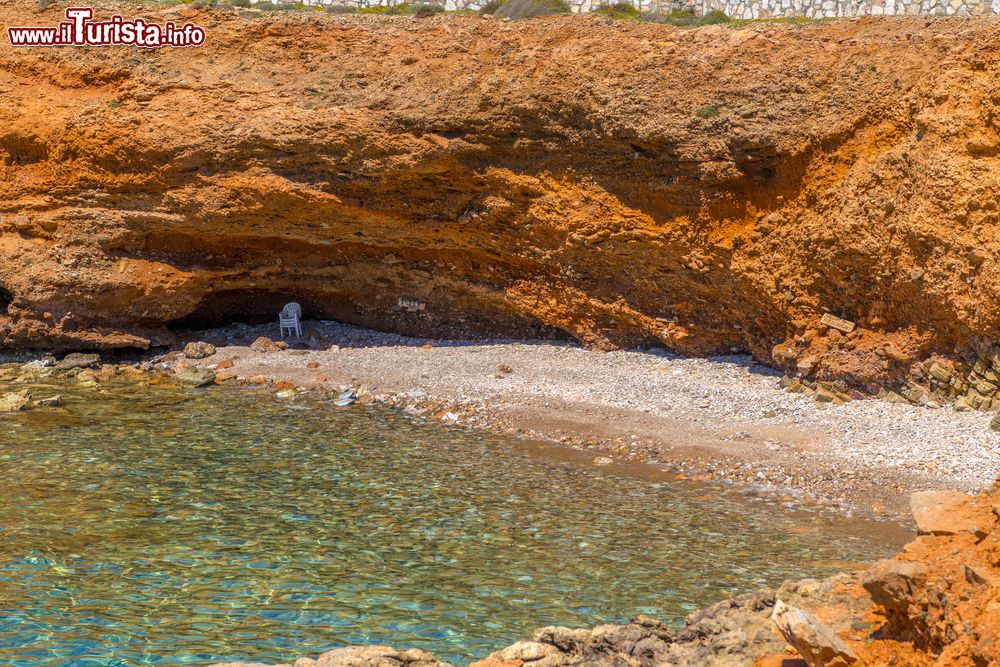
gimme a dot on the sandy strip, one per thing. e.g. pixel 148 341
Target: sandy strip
pixel 724 418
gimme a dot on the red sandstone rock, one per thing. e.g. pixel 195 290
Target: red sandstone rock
pixel 818 645
pixel 944 513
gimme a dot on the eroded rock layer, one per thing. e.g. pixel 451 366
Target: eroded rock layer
pixel 712 190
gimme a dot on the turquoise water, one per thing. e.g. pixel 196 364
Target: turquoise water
pixel 146 526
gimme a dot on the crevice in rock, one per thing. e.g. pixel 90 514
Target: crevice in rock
pixel 6 298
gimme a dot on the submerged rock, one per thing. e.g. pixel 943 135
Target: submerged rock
pixel 196 377
pixel 358 656
pixel 50 401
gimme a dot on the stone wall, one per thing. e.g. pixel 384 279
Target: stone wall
pixel 576 6
pixel 753 9
pixel 741 9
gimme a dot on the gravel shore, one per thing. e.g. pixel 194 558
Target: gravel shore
pixel 723 418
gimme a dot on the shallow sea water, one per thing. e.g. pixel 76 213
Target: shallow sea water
pixel 143 526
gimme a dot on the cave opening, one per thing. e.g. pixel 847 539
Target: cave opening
pixel 261 306
pixel 6 298
pixel 250 306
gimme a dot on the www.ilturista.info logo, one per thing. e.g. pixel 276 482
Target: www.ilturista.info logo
pixel 79 30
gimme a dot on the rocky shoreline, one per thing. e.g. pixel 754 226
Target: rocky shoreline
pixel 935 603
pixel 732 632
pixel 725 420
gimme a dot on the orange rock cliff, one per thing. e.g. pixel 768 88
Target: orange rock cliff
pixel 619 183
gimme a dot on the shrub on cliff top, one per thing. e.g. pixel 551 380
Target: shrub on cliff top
pixel 392 10
pixel 688 18
pixel 421 11
pixel 424 11
pixel 281 6
pixel 620 11
pixel 526 9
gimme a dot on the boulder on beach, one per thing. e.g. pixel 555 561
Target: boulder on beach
pixel 199 350
pixel 265 345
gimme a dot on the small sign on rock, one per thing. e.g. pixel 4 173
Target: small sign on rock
pixel 837 323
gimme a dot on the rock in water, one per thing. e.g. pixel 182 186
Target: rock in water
pixel 818 645
pixel 14 402
pixel 345 399
pixel 77 360
pixel 359 656
pixel 196 377
pixel 199 350
pixel 49 402
pixel 37 364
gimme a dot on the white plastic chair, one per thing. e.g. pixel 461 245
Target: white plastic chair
pixel 289 319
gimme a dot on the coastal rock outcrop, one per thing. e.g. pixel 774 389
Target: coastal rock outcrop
pixel 818 645
pixel 937 601
pixel 618 183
